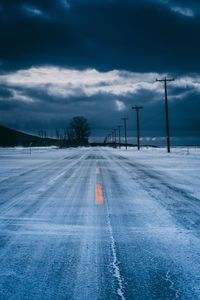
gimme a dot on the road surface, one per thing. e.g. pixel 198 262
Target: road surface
pixel 95 224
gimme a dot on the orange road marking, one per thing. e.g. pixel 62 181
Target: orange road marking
pixel 99 194
pixel 97 170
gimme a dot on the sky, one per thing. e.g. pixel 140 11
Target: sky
pixel 98 58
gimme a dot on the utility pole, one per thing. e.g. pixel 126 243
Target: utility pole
pixel 108 137
pixel 106 140
pixel 137 108
pixel 119 132
pixel 111 138
pixel 166 110
pixel 115 137
pixel 125 131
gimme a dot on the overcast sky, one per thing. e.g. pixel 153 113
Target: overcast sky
pixel 97 58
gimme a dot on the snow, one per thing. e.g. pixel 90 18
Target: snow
pixel 180 166
pixel 143 242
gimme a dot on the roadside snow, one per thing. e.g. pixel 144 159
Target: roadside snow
pixel 179 166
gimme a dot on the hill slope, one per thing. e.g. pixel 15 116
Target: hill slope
pixel 10 137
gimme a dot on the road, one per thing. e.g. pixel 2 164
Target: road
pixel 94 224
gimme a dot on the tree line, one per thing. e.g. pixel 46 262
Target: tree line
pixel 76 134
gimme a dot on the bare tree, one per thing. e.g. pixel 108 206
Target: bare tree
pixel 80 130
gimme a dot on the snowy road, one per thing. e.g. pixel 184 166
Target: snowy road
pixel 99 224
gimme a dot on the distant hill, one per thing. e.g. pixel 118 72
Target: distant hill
pixel 10 138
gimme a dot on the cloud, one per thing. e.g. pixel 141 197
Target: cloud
pixel 187 12
pixel 186 8
pixel 120 105
pixel 64 83
pixel 5 92
pixel 189 82
pixel 49 96
pixel 33 10
pixel 20 96
pixel 139 36
pixel 97 58
pixel 65 4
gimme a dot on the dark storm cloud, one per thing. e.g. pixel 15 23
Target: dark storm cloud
pixel 132 35
pixel 5 92
pixel 36 32
pixel 97 58
pixel 49 97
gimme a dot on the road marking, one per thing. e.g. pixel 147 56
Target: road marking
pixel 99 194
pixel 97 170
pixel 115 262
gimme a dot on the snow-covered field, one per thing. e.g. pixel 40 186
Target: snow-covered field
pixel 182 165
pixel 99 223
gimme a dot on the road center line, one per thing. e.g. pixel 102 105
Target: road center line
pixel 99 194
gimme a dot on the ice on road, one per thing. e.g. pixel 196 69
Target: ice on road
pixel 97 223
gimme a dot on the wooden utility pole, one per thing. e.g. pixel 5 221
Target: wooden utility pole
pixel 119 134
pixel 166 111
pixel 115 137
pixel 137 108
pixel 125 131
